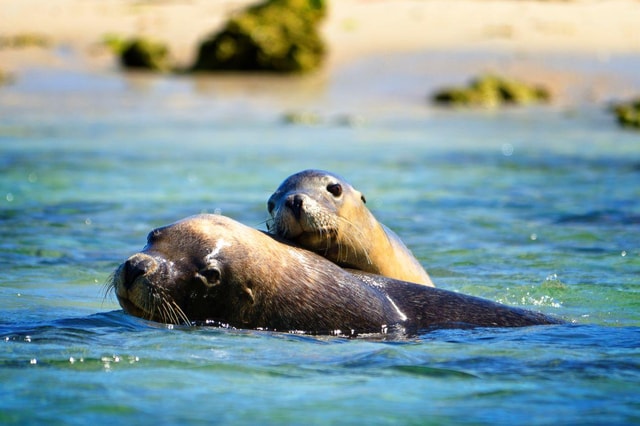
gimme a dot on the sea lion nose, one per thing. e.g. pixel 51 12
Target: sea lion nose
pixel 135 267
pixel 294 203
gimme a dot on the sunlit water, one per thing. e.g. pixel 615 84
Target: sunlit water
pixel 537 208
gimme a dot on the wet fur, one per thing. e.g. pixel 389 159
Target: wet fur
pixel 265 283
pixel 340 228
pixel 157 304
pixel 335 237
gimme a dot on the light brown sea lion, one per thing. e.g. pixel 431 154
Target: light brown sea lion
pixel 322 212
pixel 212 269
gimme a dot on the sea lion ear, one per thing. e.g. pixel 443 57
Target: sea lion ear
pixel 362 197
pixel 248 294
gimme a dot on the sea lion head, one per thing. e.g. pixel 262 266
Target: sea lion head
pixel 183 273
pixel 318 210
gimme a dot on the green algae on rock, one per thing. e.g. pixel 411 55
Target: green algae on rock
pixel 144 54
pixel 305 118
pixel 24 40
pixel 114 43
pixel 628 113
pixel 490 91
pixel 277 35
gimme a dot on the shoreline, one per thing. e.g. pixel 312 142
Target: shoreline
pixel 354 28
pixel 378 53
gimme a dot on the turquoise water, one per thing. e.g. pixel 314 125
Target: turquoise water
pixel 537 208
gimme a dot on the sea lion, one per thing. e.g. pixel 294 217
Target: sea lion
pixel 212 269
pixel 322 212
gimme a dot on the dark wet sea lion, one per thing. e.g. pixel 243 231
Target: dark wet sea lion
pixel 322 212
pixel 212 268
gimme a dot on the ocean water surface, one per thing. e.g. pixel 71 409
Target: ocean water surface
pixel 537 208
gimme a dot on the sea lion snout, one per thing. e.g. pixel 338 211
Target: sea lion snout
pixel 137 266
pixel 294 203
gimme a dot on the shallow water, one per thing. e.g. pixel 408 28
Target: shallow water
pixel 537 208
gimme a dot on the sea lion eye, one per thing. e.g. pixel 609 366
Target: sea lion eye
pixel 153 236
pixel 335 189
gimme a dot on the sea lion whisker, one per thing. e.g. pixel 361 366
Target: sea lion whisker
pixel 108 286
pixel 336 237
pixel 150 305
pixel 328 235
pixel 169 310
pixel 171 307
pixel 164 308
pixel 354 237
pixel 180 313
pixel 267 222
pixel 160 304
pixel 160 309
pixel 276 225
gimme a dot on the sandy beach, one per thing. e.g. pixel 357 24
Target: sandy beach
pixel 354 28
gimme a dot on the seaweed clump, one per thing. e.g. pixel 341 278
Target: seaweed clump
pixel 140 53
pixel 24 40
pixel 490 91
pixel 628 113
pixel 277 35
